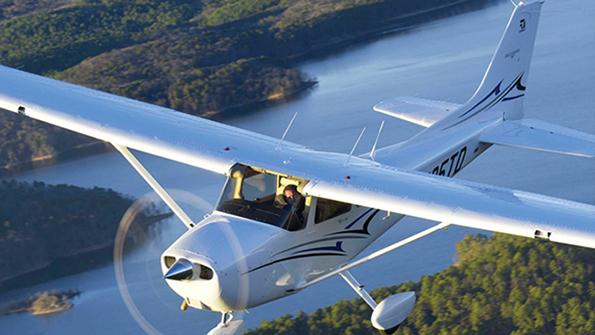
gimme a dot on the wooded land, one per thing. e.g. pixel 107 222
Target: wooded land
pixel 499 285
pixel 212 58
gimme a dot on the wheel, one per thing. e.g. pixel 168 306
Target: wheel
pixel 389 331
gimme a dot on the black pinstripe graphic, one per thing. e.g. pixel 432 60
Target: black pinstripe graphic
pixel 294 257
pixel 500 96
pixel 363 230
pixel 320 240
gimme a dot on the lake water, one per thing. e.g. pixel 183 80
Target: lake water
pixel 441 60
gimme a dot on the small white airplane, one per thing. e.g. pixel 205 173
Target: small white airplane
pixel 250 250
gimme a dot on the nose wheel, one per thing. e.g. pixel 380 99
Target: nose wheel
pixel 184 305
pixel 228 325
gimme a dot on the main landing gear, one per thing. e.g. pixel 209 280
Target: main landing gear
pixel 390 312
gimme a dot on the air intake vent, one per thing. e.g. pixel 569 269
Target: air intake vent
pixel 169 261
pixel 205 272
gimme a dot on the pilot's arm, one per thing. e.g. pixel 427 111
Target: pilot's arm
pixel 299 203
pixel 280 201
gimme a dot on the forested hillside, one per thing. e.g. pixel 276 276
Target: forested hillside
pixel 43 226
pixel 499 285
pixel 13 8
pixel 209 58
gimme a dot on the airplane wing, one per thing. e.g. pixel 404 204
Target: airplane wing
pixel 542 136
pixel 216 147
pixel 467 204
pixel 420 111
pixel 152 129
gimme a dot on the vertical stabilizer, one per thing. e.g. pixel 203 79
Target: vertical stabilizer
pixel 504 82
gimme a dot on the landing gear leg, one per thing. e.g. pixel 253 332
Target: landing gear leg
pixel 226 318
pixel 387 315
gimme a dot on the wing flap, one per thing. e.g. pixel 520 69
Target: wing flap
pixel 542 136
pixel 467 204
pixel 422 112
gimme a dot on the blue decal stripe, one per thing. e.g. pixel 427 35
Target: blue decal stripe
pixel 363 230
pixel 516 83
pixel 320 240
pixel 293 257
pixel 337 247
pixel 495 91
pixel 512 98
pixel 361 216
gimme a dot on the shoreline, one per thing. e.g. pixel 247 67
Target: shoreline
pixel 71 264
pixel 387 27
pixel 76 152
pixel 99 147
pixel 337 45
pixel 41 304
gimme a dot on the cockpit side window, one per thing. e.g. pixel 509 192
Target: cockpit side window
pixel 327 209
pixel 259 186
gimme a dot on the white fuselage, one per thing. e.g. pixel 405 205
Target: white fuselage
pixel 254 262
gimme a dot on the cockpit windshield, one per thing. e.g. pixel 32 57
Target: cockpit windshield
pixel 253 195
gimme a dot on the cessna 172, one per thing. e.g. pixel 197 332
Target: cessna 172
pixel 349 201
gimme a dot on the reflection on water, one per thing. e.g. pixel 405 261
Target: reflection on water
pixel 442 60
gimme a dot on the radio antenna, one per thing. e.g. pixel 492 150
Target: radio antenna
pixel 373 152
pixel 286 131
pixel 355 145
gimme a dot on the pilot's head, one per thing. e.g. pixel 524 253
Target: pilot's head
pixel 290 191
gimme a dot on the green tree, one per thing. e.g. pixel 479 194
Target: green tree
pixel 499 285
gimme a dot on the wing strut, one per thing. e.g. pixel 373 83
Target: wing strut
pixel 161 192
pixel 358 288
pixel 375 254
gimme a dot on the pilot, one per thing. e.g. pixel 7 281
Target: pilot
pixel 293 200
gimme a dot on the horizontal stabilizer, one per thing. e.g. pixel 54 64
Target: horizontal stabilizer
pixel 422 112
pixel 542 136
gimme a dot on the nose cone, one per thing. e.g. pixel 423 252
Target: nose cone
pixel 193 278
pixel 181 270
pixel 205 265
